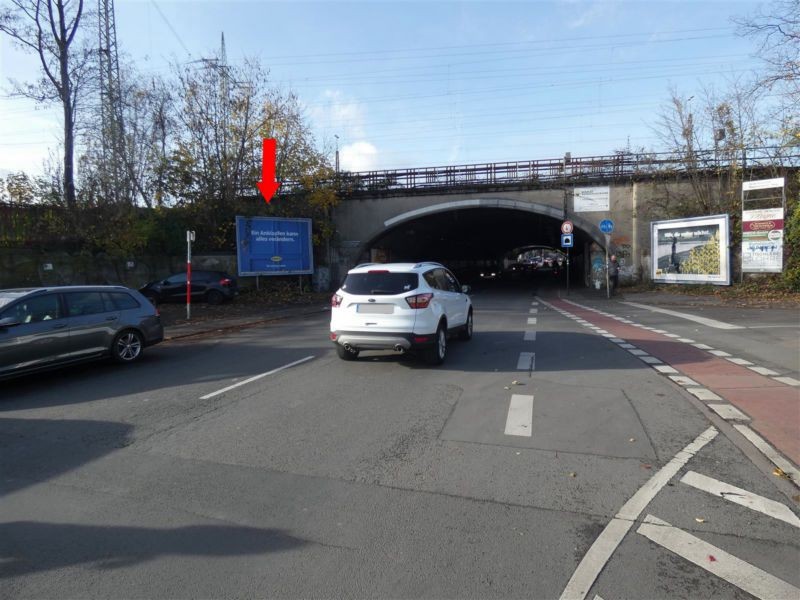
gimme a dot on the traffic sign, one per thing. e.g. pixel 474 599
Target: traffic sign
pixel 566 240
pixel 606 225
pixel 566 227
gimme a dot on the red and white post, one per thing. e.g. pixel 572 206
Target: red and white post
pixel 189 240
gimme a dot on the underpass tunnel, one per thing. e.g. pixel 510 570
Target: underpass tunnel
pixel 515 245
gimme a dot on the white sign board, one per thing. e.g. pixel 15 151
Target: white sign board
pixel 591 199
pixel 762 240
pixel 762 184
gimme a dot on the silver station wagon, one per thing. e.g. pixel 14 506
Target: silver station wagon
pixel 43 328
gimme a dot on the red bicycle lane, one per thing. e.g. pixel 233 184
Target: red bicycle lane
pixel 773 407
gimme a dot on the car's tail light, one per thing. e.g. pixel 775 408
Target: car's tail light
pixel 225 282
pixel 419 301
pixel 334 336
pixel 336 300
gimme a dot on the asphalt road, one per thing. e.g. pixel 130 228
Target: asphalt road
pixel 580 470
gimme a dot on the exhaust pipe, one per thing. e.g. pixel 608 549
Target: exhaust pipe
pixel 348 347
pixel 399 348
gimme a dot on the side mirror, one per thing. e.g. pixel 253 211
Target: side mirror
pixel 8 322
pixel 465 289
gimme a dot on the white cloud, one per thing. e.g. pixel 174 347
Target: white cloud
pixel 359 156
pixel 340 116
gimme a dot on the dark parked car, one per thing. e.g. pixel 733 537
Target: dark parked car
pixel 42 328
pixel 212 286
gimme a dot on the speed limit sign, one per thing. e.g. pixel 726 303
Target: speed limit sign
pixel 566 227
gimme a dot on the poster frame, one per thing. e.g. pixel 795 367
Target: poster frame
pixel 242 255
pixel 722 222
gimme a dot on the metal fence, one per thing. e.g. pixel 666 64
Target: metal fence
pixel 552 171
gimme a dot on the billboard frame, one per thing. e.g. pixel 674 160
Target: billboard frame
pixel 722 225
pixel 240 252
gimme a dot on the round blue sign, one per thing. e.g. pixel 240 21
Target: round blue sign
pixel 606 225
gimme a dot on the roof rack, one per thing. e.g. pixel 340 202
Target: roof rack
pixel 428 262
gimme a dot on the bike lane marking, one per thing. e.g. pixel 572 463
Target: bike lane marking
pixel 610 538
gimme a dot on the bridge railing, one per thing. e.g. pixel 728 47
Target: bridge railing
pixel 548 171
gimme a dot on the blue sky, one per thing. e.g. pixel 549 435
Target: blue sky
pixel 431 83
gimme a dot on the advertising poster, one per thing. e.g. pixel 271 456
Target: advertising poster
pixel 691 250
pixel 591 199
pixel 762 240
pixel 271 246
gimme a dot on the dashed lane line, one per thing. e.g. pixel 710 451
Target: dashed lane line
pixel 729 412
pixel 609 539
pixel 519 421
pixel 768 451
pixel 726 566
pixel 731 493
pixel 530 336
pixel 255 378
pixel 526 361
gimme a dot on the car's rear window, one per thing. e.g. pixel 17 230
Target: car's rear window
pixel 383 283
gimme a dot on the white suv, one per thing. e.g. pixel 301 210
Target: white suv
pixel 402 307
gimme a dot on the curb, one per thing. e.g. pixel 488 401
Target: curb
pixel 205 327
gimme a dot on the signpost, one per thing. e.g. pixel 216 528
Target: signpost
pixel 567 242
pixel 607 226
pixel 189 240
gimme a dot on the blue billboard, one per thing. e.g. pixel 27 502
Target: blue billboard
pixel 271 246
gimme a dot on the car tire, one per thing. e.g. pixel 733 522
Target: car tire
pixel 127 347
pixel 438 352
pixel 466 333
pixel 215 297
pixel 345 354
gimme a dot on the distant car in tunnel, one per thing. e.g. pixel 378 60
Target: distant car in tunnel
pixel 405 307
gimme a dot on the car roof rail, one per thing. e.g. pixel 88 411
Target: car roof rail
pixel 428 262
pixel 369 264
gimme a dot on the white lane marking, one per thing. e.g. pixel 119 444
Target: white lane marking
pixel 740 361
pixel 608 335
pixel 527 361
pixel 530 336
pixel 616 340
pixel 597 597
pixel 731 493
pixel 763 370
pixel 628 346
pixel 650 360
pixel 666 369
pixel 769 452
pixel 729 412
pixel 628 321
pixel 255 378
pixel 703 394
pixel 788 380
pixel 689 317
pixel 531 320
pixel 520 416
pixel 683 380
pixel 606 543
pixel 637 352
pixel 601 331
pixel 533 311
pixel 726 566
pixel 672 335
pixel 686 340
pixel 659 331
pixel 703 346
pixel 720 353
pixel 534 303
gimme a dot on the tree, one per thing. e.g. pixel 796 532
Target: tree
pixel 48 29
pixel 778 29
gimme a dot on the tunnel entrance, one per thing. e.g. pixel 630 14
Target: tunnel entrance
pixel 485 244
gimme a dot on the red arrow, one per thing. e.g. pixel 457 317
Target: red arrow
pixel 268 186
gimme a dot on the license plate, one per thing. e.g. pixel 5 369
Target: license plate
pixel 376 309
